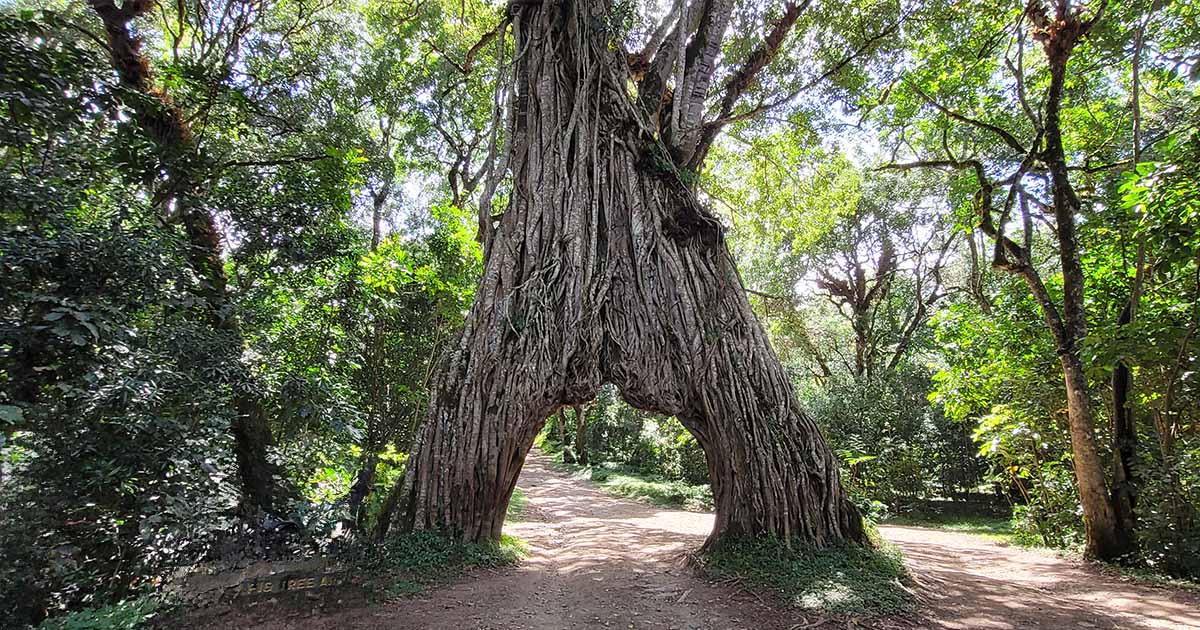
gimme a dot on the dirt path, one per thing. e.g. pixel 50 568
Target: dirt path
pixel 597 561
pixel 970 582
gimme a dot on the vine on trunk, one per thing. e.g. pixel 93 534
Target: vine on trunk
pixel 606 269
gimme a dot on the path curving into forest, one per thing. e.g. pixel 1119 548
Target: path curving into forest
pixel 599 561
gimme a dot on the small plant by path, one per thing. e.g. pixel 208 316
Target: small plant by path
pixel 516 506
pixel 408 564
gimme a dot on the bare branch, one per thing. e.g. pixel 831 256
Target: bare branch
pixel 1007 137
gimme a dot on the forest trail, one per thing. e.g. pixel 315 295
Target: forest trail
pixel 598 561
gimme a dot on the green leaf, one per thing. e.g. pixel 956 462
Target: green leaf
pixel 11 414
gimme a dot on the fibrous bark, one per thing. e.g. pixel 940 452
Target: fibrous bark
pixel 605 269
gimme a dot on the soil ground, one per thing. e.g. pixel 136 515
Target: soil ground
pixel 598 561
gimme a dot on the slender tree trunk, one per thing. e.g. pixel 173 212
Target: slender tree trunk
pixel 604 268
pixel 561 422
pixel 1107 539
pixel 1124 437
pixel 164 124
pixel 377 221
pixel 861 343
pixel 580 445
pixel 363 483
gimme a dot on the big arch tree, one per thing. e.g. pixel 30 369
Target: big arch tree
pixel 604 267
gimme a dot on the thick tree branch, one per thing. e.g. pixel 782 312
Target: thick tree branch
pixel 640 62
pixel 699 66
pixel 744 77
pixel 722 121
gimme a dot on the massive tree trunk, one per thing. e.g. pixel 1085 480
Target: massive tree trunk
pixel 605 268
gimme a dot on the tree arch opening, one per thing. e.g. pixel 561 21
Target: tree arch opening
pixel 605 268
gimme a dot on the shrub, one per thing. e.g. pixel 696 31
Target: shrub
pixel 129 614
pixel 1169 522
pixel 403 564
pixel 847 579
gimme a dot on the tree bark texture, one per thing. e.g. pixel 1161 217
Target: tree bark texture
pixel 605 269
pixel 1106 539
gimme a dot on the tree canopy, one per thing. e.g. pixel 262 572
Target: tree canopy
pixel 241 240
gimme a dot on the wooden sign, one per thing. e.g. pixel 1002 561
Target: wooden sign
pixel 285 582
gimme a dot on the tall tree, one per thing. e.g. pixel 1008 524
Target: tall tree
pixel 165 125
pixel 606 268
pixel 1038 183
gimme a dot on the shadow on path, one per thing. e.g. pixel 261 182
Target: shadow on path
pixel 599 561
pixel 970 582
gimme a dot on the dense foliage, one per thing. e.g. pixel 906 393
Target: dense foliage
pixel 892 211
pixel 118 395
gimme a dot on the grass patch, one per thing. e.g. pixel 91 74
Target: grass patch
pixel 997 528
pixel 656 491
pixel 405 565
pixel 1148 577
pixel 516 505
pixel 630 484
pixel 839 581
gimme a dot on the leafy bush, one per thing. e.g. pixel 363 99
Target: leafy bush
pixel 115 388
pixel 1169 532
pixel 1040 470
pixel 123 615
pixel 672 452
pixel 895 447
pixel 633 441
pixel 404 564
